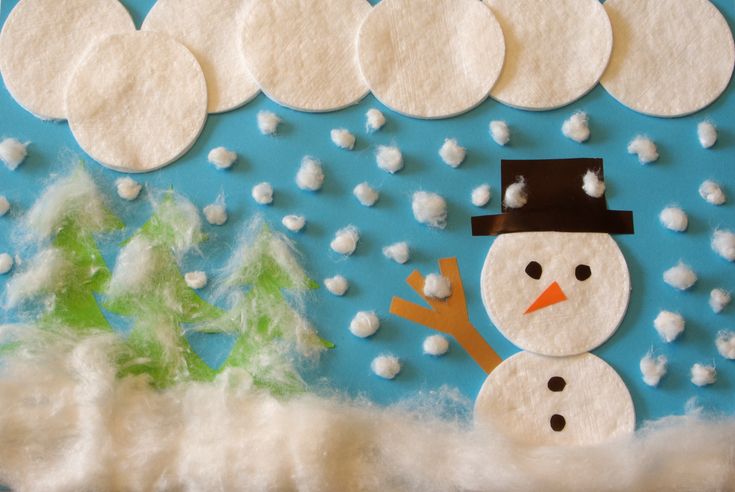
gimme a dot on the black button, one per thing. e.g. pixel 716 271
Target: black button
pixel 558 422
pixel 556 384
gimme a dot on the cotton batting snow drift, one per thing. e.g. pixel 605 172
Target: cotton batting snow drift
pixel 365 324
pixel 345 241
pixel 343 139
pixel 644 148
pixel 365 194
pixel 500 132
pixel 311 175
pixel 221 158
pixel 430 209
pixel 13 152
pixel 128 188
pixel 669 325
pixel 452 153
pixel 577 127
pixel 653 369
pixel 389 158
pixel 481 195
pixel 398 252
pixel 707 134
pixel 674 219
pixel 723 243
pixel 681 276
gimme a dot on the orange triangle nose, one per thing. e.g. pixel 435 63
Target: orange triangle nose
pixel 552 295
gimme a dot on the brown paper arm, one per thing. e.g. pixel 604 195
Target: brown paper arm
pixel 418 314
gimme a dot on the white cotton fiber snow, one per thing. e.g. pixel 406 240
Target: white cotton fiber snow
pixel 133 268
pixel 437 286
pixel 221 158
pixel 592 184
pixel 725 344
pixel 6 263
pixel 268 122
pixel 128 188
pixel 500 132
pixel 386 366
pixel 712 192
pixel 13 153
pixel 342 138
pixel 311 175
pixel 365 194
pixel 723 243
pixel 644 148
pixel 481 195
pixel 294 223
pixel 452 153
pixel 374 120
pixel 4 205
pixel 216 213
pixel 674 219
pixel 40 274
pixel 669 325
pixel 398 252
pixel 653 369
pixel 703 375
pixel 719 299
pixel 345 240
pixel 430 209
pixel 262 193
pixel 515 194
pixel 389 158
pixel 365 324
pixel 196 280
pixel 707 133
pixel 435 345
pixel 576 127
pixel 681 276
pixel 337 285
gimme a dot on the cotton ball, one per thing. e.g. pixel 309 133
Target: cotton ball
pixel 645 148
pixel 712 192
pixel 389 158
pixel 13 153
pixel 593 185
pixel 725 344
pixel 263 193
pixel 311 175
pixel 437 286
pixel 719 299
pixel 365 194
pixel 294 223
pixel 268 122
pixel 4 205
pixel 386 366
pixel 221 158
pixel 364 324
pixel 515 194
pixel 707 133
pixel 674 219
pixel 669 325
pixel 128 188
pixel 398 252
pixel 215 213
pixel 481 195
pixel 196 280
pixel 500 132
pixel 435 345
pixel 681 276
pixel 653 369
pixel 577 127
pixel 723 243
pixel 343 139
pixel 337 285
pixel 703 375
pixel 452 153
pixel 6 263
pixel 430 209
pixel 345 240
pixel 375 120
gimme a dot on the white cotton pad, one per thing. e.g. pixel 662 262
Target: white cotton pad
pixel 209 29
pixel 671 57
pixel 137 101
pixel 43 41
pixel 431 58
pixel 303 53
pixel 556 51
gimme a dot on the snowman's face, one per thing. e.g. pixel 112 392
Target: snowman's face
pixel 556 293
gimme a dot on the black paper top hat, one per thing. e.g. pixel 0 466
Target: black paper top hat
pixel 555 200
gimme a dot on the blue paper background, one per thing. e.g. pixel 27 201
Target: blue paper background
pixel 644 189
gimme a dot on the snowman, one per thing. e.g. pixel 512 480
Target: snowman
pixel 556 285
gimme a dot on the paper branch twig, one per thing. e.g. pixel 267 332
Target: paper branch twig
pixel 447 316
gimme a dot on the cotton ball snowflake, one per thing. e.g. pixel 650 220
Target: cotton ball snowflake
pixel 398 252
pixel 500 132
pixel 196 280
pixel 386 366
pixel 680 277
pixel 389 158
pixel 6 263
pixel 221 158
pixel 592 184
pixel 430 209
pixel 669 325
pixel 674 219
pixel 712 192
pixel 481 195
pixel 345 240
pixel 216 213
pixel 719 299
pixel 262 193
pixel 515 194
pixel 293 223
pixel 4 205
pixel 342 138
pixel 644 148
pixel 437 286
pixel 375 120
pixel 337 285
pixel 723 243
pixel 435 345
pixel 13 153
pixel 127 188
pixel 311 175
pixel 725 344
pixel 268 122
pixel 653 369
pixel 707 133
pixel 365 324
pixel 576 127
pixel 703 375
pixel 452 153
pixel 365 194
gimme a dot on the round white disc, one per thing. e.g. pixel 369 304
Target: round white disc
pixel 302 53
pixel 43 41
pixel 208 29
pixel 671 57
pixel 552 401
pixel 137 101
pixel 593 309
pixel 555 51
pixel 431 58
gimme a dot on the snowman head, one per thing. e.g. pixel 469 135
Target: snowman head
pixel 555 282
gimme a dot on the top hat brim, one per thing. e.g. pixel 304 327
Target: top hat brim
pixel 608 221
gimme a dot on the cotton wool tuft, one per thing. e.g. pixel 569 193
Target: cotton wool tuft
pixel 719 299
pixel 725 343
pixel 311 175
pixel 515 194
pixel 669 325
pixel 386 366
pixel 365 194
pixel 196 280
pixel 712 192
pixel 365 324
pixel 216 213
pixel 707 133
pixel 4 205
pixel 674 219
pixel 500 132
pixel 127 188
pixel 268 122
pixel 644 148
pixel 221 158
pixel 345 240
pixel 389 158
pixel 437 286
pixel 653 369
pixel 452 153
pixel 294 223
pixel 680 277
pixel 592 184
pixel 481 195
pixel 375 120
pixel 723 243
pixel 430 209
pixel 6 263
pixel 337 285
pixel 576 127
pixel 398 252
pixel 342 138
pixel 435 345
pixel 262 193
pixel 703 375
pixel 13 152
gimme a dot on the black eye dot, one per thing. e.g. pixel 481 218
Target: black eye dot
pixel 582 272
pixel 534 270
